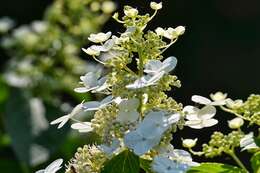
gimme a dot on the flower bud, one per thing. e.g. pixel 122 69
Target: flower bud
pixel 189 143
pixel 130 12
pixel 180 30
pixel 160 31
pixel 235 123
pixel 156 6
pixel 234 104
pixel 218 96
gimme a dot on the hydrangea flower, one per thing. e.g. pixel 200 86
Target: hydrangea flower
pixel 145 81
pixel 155 66
pixel 6 24
pixel 156 123
pixel 100 37
pixel 52 168
pixel 95 50
pixel 200 118
pixel 64 119
pixel 165 165
pixel 149 132
pixel 110 149
pixel 205 101
pixel 82 127
pixel 92 82
pixel 95 105
pixel 247 142
pixel 128 111
pixel 140 142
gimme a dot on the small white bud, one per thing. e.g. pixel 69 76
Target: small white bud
pixel 218 96
pixel 189 143
pixel 160 31
pixel 131 12
pixel 180 30
pixel 156 6
pixel 234 104
pixel 235 123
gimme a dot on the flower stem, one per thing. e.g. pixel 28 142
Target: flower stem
pixel 237 160
pixel 140 74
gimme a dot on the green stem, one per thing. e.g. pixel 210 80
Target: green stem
pixel 237 160
pixel 140 74
pixel 232 112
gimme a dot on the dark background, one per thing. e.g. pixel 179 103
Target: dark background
pixel 220 49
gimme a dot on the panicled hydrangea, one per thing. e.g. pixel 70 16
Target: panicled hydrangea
pixel 88 159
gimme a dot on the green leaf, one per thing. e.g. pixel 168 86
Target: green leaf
pixel 215 168
pixel 257 140
pixel 125 162
pixel 32 138
pixel 145 165
pixel 255 162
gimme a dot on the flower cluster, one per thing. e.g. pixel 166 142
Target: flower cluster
pixel 136 117
pixel 55 62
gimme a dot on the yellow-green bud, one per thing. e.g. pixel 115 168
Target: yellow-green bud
pixel 235 123
pixel 189 143
pixel 156 6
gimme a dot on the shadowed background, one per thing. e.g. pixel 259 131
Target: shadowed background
pixel 220 49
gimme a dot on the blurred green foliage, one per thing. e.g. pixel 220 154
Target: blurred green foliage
pixel 44 68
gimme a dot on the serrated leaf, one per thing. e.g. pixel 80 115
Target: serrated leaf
pixel 125 162
pixel 255 162
pixel 215 168
pixel 32 139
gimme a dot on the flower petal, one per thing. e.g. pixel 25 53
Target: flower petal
pixel 200 100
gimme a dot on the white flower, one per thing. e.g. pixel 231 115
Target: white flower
pixel 156 6
pixel 139 142
pixel 235 123
pixel 95 105
pixel 160 31
pixel 92 52
pixel 156 66
pixel 6 24
pixel 110 149
pixel 108 7
pixel 170 33
pixel 145 81
pixel 218 96
pixel 82 127
pixel 205 101
pixel 247 142
pixel 234 104
pixel 128 111
pixel 200 118
pixel 92 82
pixel 52 168
pixel 64 119
pixel 180 30
pixel 131 12
pixel 39 26
pixel 100 37
pixel 165 165
pixel 189 143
